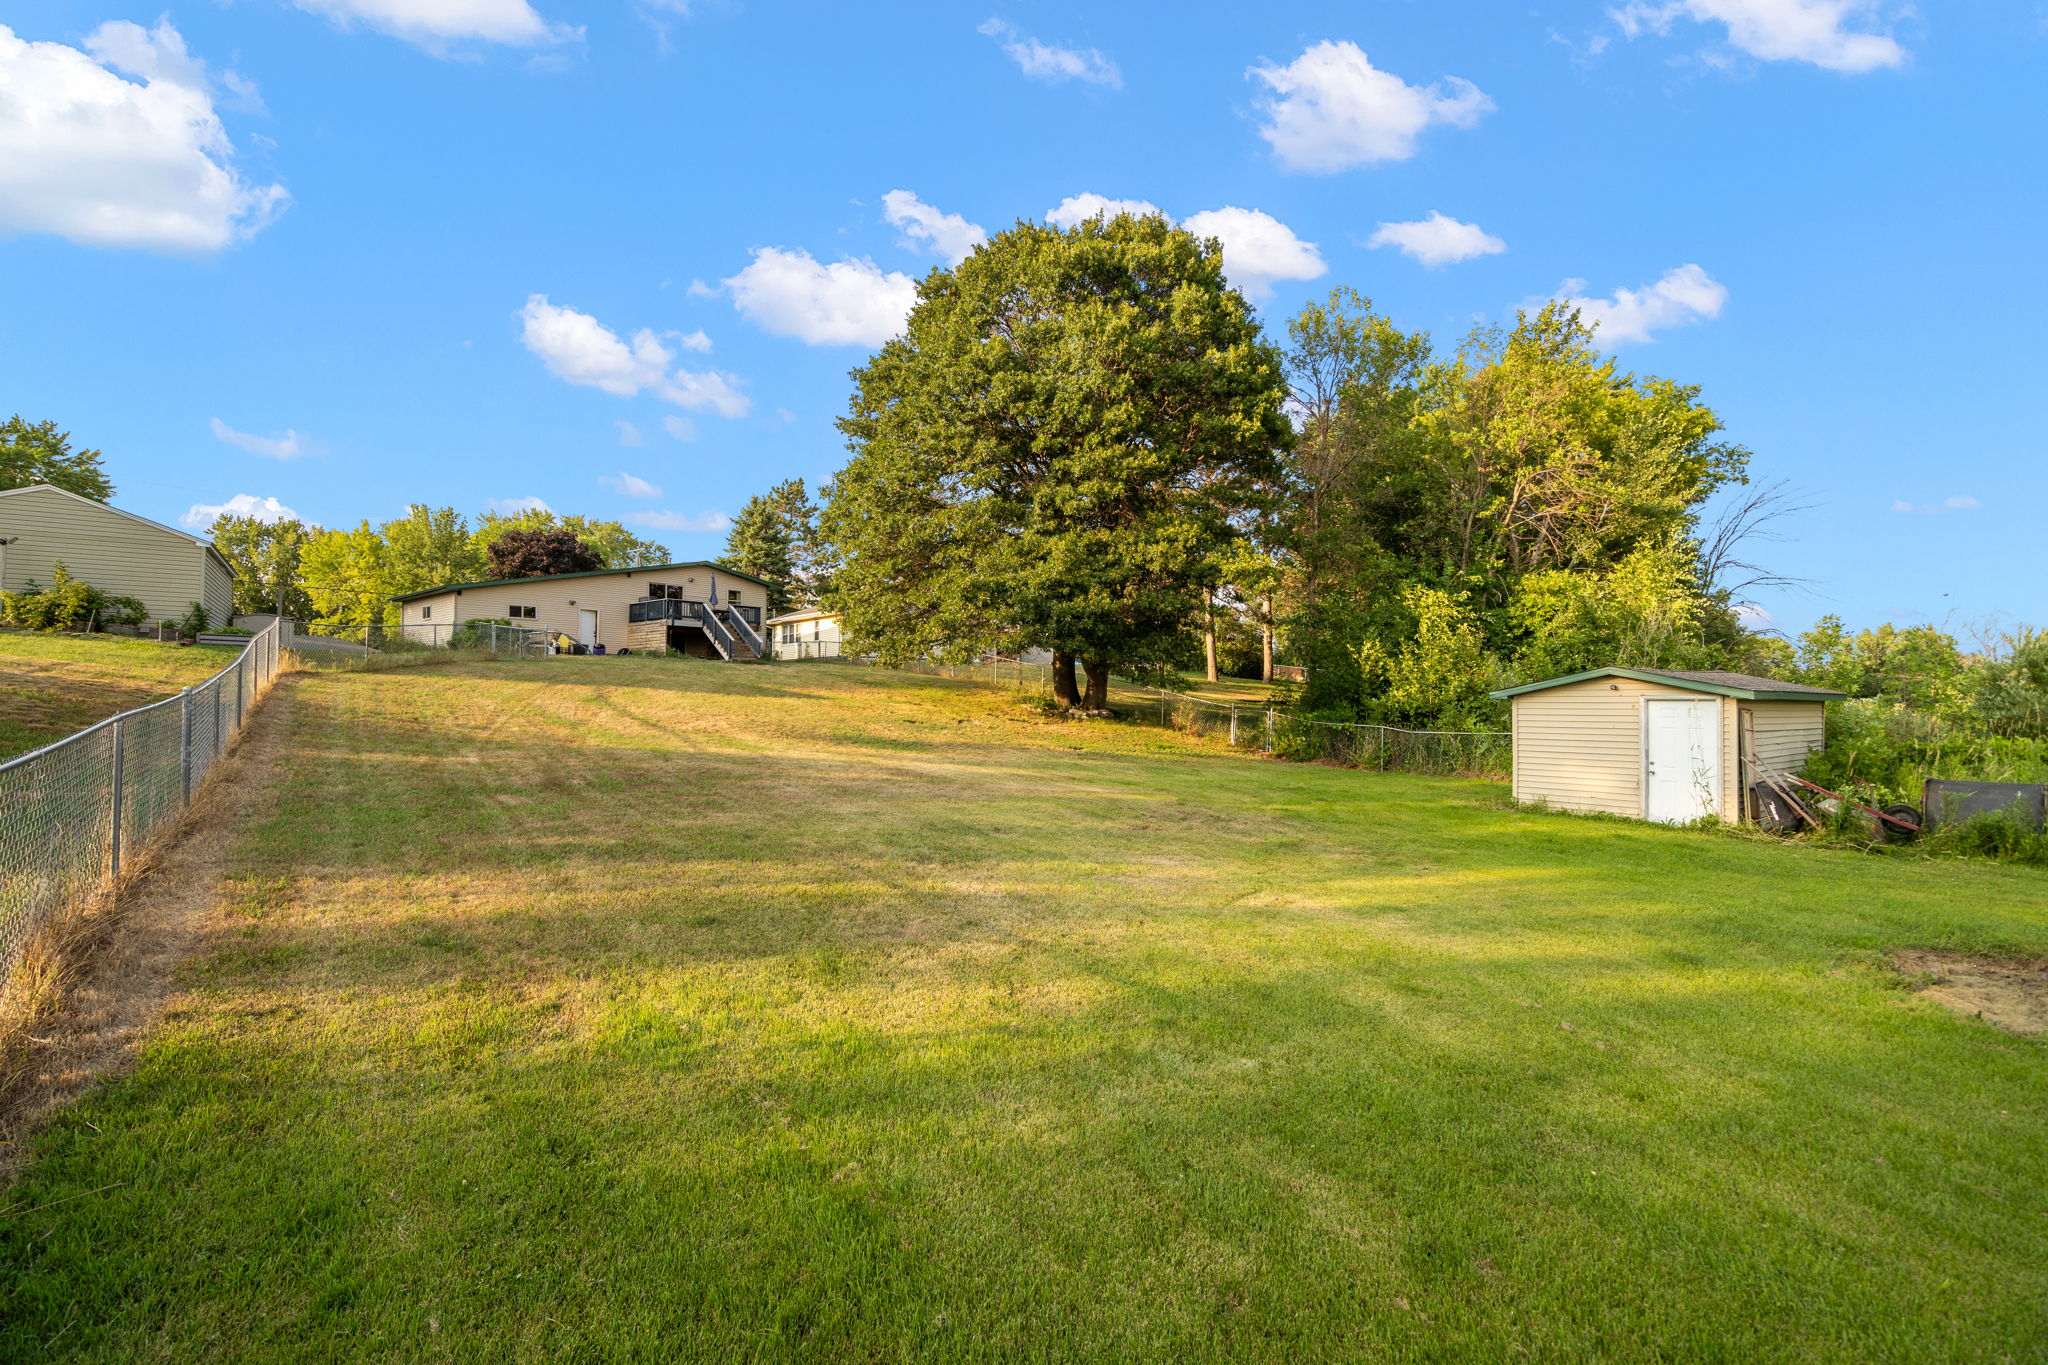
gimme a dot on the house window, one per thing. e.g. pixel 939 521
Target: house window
pixel 732 596
pixel 426 613
pixel 522 613
pixel 663 590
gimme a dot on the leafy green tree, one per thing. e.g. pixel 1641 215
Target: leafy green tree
pixel 430 546
pixel 1440 673
pixel 1645 612
pixel 1067 438
pixel 347 578
pixel 265 556
pixel 36 452
pixel 2011 688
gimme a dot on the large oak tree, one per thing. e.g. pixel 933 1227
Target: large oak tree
pixel 1057 453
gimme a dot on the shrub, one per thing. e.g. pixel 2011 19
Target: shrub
pixel 194 621
pixel 66 603
pixel 475 633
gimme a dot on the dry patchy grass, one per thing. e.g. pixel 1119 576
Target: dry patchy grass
pixel 614 1009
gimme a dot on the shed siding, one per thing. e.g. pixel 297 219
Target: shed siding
pixel 112 552
pixel 1580 746
pixel 1787 731
pixel 558 602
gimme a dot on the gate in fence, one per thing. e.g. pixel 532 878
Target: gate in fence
pixel 74 812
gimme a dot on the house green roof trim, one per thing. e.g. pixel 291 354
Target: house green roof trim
pixel 585 573
pixel 1742 686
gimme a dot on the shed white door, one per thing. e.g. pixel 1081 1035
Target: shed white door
pixel 589 628
pixel 1681 759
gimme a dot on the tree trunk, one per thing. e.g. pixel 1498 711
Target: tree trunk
pixel 1097 669
pixel 1266 638
pixel 1063 689
pixel 1209 634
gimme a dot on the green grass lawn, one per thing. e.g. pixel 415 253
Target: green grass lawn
pixel 618 1009
pixel 54 685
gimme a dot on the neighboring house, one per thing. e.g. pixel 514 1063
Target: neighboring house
pixel 812 633
pixel 115 551
pixel 1662 744
pixel 698 608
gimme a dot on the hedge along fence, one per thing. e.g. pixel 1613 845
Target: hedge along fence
pixel 1387 748
pixel 73 814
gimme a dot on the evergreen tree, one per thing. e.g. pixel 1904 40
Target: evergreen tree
pixel 775 536
pixel 36 452
pixel 759 543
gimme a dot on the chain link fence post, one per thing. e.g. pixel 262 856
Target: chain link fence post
pixel 114 816
pixel 185 747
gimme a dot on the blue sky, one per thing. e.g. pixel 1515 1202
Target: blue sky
pixel 358 253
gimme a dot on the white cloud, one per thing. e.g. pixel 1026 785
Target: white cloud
pixel 630 485
pixel 512 507
pixel 1753 616
pixel 1816 31
pixel 694 341
pixel 846 303
pixel 629 435
pixel 1962 503
pixel 946 235
pixel 1076 209
pixel 578 348
pixel 682 428
pixel 1437 240
pixel 1334 110
pixel 289 446
pixel 1258 248
pixel 680 521
pixel 436 25
pixel 1687 294
pixel 204 514
pixel 103 161
pixel 1042 61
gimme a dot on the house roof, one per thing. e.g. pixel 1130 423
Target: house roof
pixel 201 541
pixel 807 614
pixel 585 573
pixel 1743 686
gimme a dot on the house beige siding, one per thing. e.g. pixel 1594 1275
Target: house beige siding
pixel 559 602
pixel 1787 731
pixel 218 591
pixel 115 553
pixel 1580 746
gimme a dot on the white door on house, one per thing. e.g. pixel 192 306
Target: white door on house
pixel 1681 759
pixel 588 633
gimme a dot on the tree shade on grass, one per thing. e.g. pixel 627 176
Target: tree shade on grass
pixel 613 1009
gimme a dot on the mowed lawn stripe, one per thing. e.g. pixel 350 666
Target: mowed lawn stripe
pixel 615 1009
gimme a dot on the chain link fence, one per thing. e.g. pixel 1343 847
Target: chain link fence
pixel 501 639
pixel 74 813
pixel 1248 725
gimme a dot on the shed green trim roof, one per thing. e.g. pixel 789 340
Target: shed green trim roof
pixel 584 573
pixel 1742 686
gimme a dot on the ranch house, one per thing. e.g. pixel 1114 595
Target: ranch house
pixel 700 609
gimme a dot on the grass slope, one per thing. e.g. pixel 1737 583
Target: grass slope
pixel 629 1010
pixel 54 685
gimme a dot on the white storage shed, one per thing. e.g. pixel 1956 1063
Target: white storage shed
pixel 1660 744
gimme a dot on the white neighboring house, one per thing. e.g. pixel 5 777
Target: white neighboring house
pixel 812 633
pixel 114 551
